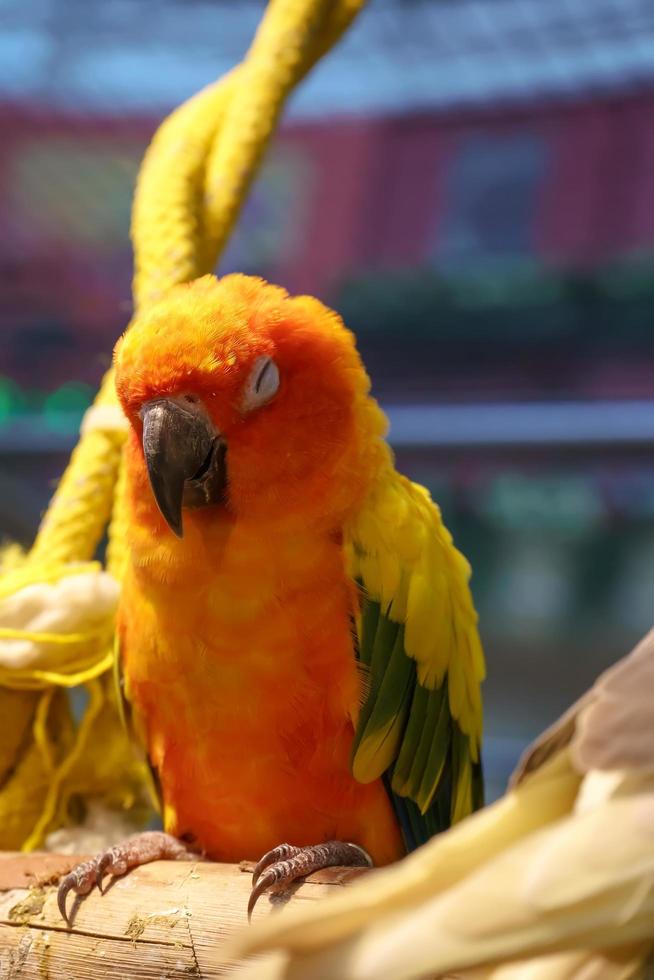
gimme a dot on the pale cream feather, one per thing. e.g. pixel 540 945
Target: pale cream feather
pixel 554 881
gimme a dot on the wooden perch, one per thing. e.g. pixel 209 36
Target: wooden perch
pixel 166 920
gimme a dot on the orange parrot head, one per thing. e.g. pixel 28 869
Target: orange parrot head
pixel 242 397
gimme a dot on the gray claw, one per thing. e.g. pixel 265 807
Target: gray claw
pixel 65 886
pixel 102 866
pixel 279 853
pixel 287 863
pixel 264 883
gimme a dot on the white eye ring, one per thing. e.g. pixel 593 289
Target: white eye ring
pixel 262 385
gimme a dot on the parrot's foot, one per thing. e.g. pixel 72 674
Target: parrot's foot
pixel 153 845
pixel 285 864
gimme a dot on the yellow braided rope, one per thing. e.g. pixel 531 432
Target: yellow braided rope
pixel 290 40
pixel 33 679
pixel 167 218
pixel 191 186
pixel 179 226
pixel 78 513
pixel 57 774
pixel 279 50
pixel 116 556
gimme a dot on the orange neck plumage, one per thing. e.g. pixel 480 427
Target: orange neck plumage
pixel 239 663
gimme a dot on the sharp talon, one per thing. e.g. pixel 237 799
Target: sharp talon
pixel 279 853
pixel 137 850
pixel 287 863
pixel 366 861
pixel 103 864
pixel 264 883
pixel 258 868
pixel 62 893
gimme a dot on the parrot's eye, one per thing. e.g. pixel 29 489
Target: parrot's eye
pixel 262 385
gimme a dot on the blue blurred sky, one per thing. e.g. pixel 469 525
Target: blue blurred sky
pixel 128 56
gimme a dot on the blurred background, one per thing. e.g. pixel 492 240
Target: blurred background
pixel 471 184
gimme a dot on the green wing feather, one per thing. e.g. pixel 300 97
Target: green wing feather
pixel 420 724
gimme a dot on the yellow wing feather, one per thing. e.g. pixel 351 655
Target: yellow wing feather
pixel 399 548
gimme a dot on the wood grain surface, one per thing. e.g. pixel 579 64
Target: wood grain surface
pixel 167 920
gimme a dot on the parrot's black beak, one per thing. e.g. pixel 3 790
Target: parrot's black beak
pixel 185 457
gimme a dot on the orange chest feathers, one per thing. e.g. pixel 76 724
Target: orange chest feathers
pixel 240 668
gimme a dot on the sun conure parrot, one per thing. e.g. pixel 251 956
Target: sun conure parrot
pixel 297 640
pixel 555 881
